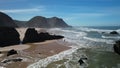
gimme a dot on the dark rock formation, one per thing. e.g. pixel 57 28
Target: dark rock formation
pixel 47 36
pixel 81 61
pixel 38 21
pixel 31 36
pixel 12 52
pixel 12 60
pixel 8 36
pixel 43 22
pixel 6 21
pixel 117 47
pixel 114 32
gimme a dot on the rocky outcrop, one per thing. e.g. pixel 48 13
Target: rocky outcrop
pixel 6 21
pixel 43 22
pixel 31 36
pixel 12 52
pixel 117 47
pixel 114 32
pixel 8 36
pixel 81 60
pixel 12 60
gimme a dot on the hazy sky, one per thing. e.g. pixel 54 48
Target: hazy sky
pixel 74 12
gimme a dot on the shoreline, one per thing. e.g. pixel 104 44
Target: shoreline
pixel 34 52
pixel 45 61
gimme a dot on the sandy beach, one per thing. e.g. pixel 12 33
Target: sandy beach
pixel 34 52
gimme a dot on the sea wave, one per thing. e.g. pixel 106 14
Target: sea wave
pixel 100 40
pixel 68 32
pixel 113 37
pixel 44 62
pixel 97 30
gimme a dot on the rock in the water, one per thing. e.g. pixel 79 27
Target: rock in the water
pixel 6 21
pixel 31 36
pixel 114 32
pixel 117 47
pixel 8 36
pixel 81 60
pixel 12 52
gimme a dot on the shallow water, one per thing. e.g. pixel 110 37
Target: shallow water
pixel 90 44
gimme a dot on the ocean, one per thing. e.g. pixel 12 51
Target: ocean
pixel 94 43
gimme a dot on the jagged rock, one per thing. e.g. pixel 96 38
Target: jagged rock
pixel 47 36
pixel 6 21
pixel 31 35
pixel 8 36
pixel 12 60
pixel 114 32
pixel 81 61
pixel 12 52
pixel 117 47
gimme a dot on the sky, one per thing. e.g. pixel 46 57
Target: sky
pixel 73 12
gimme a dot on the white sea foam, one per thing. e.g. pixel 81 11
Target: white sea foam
pixel 114 37
pixel 77 34
pixel 97 30
pixel 100 40
pixel 118 31
pixel 44 62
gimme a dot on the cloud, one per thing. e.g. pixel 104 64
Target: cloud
pixel 22 10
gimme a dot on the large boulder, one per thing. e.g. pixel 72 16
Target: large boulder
pixel 6 21
pixel 12 52
pixel 117 47
pixel 47 36
pixel 114 32
pixel 31 35
pixel 8 36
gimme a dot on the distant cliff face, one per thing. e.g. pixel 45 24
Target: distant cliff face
pixel 6 21
pixel 20 23
pixel 56 22
pixel 39 21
